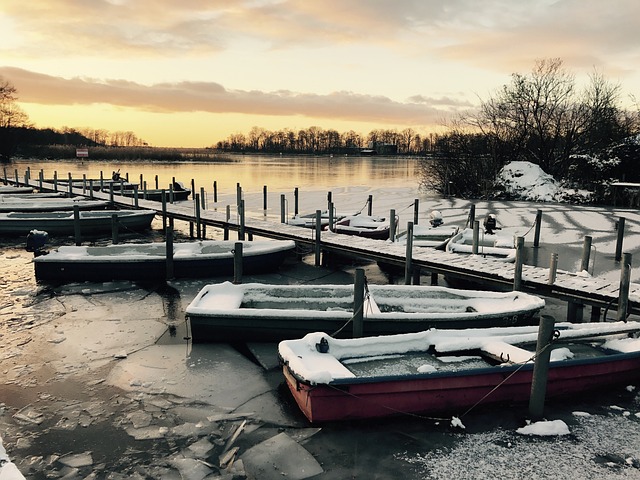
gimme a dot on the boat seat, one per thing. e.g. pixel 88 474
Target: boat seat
pixel 505 352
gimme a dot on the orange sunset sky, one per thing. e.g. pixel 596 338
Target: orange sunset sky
pixel 191 72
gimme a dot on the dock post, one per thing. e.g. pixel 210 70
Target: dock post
pixel 392 225
pixel 370 205
pixel 114 228
pixel 416 210
pixel 70 186
pixel 135 196
pixel 76 225
pixel 620 238
pixel 169 252
pixel 171 193
pixel 15 174
pixel 358 303
pixel 238 194
pixel 203 199
pixel 625 280
pixel 196 204
pixel 84 183
pixel 4 170
pixel 164 209
pixel 536 235
pixel 141 184
pixel 329 199
pixel 264 199
pixel 145 194
pixel 476 236
pixel 472 215
pixel 156 182
pixel 283 217
pixel 331 219
pixel 111 192
pixel 41 179
pixel 553 269
pixel 517 271
pixel 586 253
pixel 91 188
pixel 541 367
pixel 101 180
pixel 215 191
pixel 318 231
pixel 226 225
pixel 237 263
pixel 296 194
pixel 241 212
pixel 55 181
pixel 409 254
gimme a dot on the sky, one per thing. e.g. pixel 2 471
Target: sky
pixel 189 73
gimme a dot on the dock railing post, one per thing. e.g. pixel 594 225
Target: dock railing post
pixel 541 367
pixel 296 194
pixel 536 235
pixel 226 224
pixel 392 225
pixel 76 225
pixel 318 230
pixel 237 263
pixel 156 182
pixel 70 186
pixel 621 221
pixel 625 280
pixel 41 179
pixel 55 181
pixel 114 228
pixel 111 192
pixel 358 303
pixel 135 196
pixel 553 269
pixel 331 219
pixel 416 210
pixel 408 267
pixel 329 199
pixel 203 199
pixel 169 252
pixel 91 188
pixel 283 216
pixel 171 193
pixel 517 271
pixel 370 205
pixel 264 199
pixel 215 192
pixel 84 183
pixel 586 253
pixel 101 180
pixel 472 215
pixel 241 212
pixel 238 194
pixel 196 204
pixel 476 236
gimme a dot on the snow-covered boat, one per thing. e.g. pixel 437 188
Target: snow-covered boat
pixel 148 261
pixel 492 240
pixel 450 371
pixel 308 220
pixel 62 223
pixel 28 203
pixel 434 235
pixel 367 226
pixel 15 190
pixel 262 312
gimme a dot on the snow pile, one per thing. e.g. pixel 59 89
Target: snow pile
pixel 545 428
pixel 527 181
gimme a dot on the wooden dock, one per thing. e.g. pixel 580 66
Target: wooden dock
pixel 571 287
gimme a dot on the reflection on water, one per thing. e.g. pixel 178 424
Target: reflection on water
pixel 279 173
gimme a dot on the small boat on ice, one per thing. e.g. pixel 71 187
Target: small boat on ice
pixel 492 241
pixel 92 222
pixel 450 371
pixel 434 235
pixel 308 220
pixel 27 203
pixel 367 226
pixel 261 312
pixel 15 190
pixel 148 261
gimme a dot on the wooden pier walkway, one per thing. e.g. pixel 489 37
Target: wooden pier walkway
pixel 571 287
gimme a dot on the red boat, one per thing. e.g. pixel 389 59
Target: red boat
pixel 450 371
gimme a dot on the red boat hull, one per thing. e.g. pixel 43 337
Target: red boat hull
pixel 453 393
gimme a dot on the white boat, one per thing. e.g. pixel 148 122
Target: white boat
pixel 148 261
pixel 63 223
pixel 309 220
pixel 367 226
pixel 15 190
pixel 499 243
pixel 429 236
pixel 28 203
pixel 261 312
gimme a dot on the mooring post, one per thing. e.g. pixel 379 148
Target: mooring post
pixel 238 194
pixel 541 367
pixel 171 192
pixel 4 170
pixel 135 196
pixel 76 225
pixel 408 267
pixel 358 303
pixel 101 180
pixel 392 225
pixel 164 209
pixel 215 191
pixel 17 178
pixel 620 238
pixel 476 237
pixel 203 199
pixel 55 181
pixel 318 231
pixel 111 192
pixel 553 269
pixel 237 263
pixel 586 253
pixel 70 186
pixel 331 219
pixel 84 183
pixel 169 274
pixel 114 228
pixel 536 235
pixel 142 182
pixel 145 194
pixel 41 179
pixel 329 199
pixel 295 201
pixel 370 205
pixel 517 271
pixel 625 280
pixel 241 212
pixel 156 179
pixel 283 216
pixel 196 204
pixel 91 188
pixel 264 199
pixel 472 215
pixel 226 225
pixel 416 210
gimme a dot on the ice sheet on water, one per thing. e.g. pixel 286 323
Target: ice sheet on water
pixel 140 419
pixel 201 448
pixel 280 457
pixel 148 433
pixel 189 468
pixel 77 460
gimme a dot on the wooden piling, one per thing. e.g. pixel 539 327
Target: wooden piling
pixel 283 215
pixel 295 201
pixel 586 253
pixel 264 199
pixel 553 269
pixel 541 367
pixel 517 271
pixel 215 191
pixel 392 225
pixel 241 213
pixel 416 210
pixel 476 237
pixel 196 204
pixel 536 236
pixel 370 205
pixel 621 221
pixel 625 280
pixel 237 263
pixel 203 199
pixel 472 215
pixel 226 225
pixel 114 228
pixel 408 267
pixel 76 225
pixel 358 303
pixel 164 209
pixel 331 219
pixel 318 231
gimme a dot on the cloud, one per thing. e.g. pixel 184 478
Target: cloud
pixel 214 98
